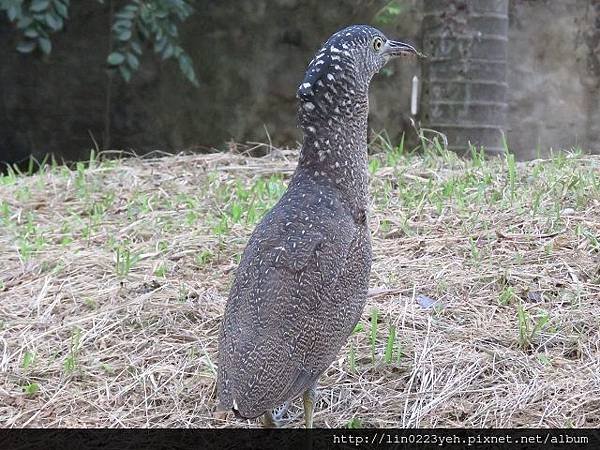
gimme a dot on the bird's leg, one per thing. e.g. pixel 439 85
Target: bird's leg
pixel 268 420
pixel 309 405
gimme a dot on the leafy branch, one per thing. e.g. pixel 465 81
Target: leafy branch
pixel 150 21
pixel 36 19
pixel 136 23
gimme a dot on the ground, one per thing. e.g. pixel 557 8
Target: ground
pixel 483 311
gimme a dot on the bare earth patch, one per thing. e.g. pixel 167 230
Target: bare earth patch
pixel 484 308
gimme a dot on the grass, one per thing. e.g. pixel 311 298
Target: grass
pixel 483 310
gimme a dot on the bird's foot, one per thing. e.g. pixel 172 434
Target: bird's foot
pixel 273 418
pixel 281 411
pixel 309 405
pixel 268 421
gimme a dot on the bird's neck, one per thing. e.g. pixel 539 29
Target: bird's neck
pixel 334 148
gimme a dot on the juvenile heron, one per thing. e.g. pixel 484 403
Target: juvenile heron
pixel 302 282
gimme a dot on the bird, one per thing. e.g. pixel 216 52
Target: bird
pixel 302 281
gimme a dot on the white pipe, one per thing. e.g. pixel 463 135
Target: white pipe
pixel 414 95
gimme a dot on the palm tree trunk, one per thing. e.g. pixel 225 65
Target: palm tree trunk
pixel 464 90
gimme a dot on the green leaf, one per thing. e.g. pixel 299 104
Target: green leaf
pixel 133 61
pixel 54 21
pixel 39 5
pixel 61 9
pixel 354 423
pixel 146 16
pixel 186 11
pixel 45 44
pixel 122 24
pixel 125 73
pixel 115 58
pixel 28 358
pixel 32 388
pixel 124 35
pixel 144 31
pixel 389 346
pixel 160 44
pixel 24 22
pixel 13 12
pixel 126 14
pixel 31 33
pixel 185 64
pixel 136 47
pixel 26 46
pixel 168 52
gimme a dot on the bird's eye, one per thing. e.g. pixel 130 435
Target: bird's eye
pixel 377 43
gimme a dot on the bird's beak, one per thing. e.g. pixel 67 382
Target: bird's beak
pixel 397 48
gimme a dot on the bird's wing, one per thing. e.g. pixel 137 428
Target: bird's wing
pixel 286 272
pixel 275 303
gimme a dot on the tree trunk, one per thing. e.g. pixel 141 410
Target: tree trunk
pixel 464 89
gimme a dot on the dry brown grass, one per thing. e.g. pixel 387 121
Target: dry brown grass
pixel 509 252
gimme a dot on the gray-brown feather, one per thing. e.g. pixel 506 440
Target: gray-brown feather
pixel 298 291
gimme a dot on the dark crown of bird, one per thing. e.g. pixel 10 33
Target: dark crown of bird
pixel 340 73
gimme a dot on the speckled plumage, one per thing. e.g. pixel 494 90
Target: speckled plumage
pixel 302 282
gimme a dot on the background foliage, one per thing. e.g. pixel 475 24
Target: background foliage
pixel 136 23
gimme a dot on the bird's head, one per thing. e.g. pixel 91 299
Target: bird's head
pixel 348 61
